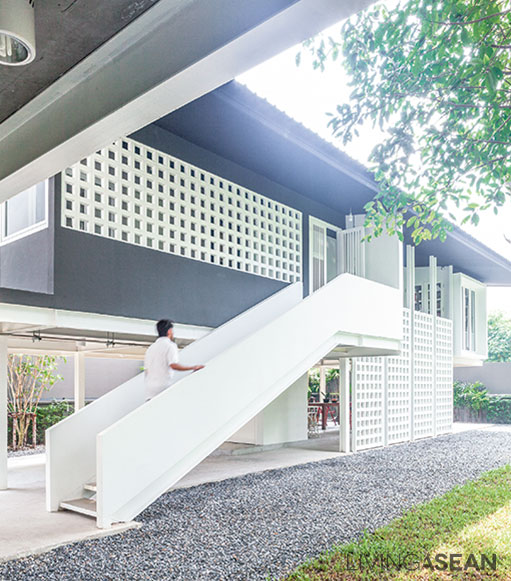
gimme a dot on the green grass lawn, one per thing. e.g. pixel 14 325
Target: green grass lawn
pixel 473 519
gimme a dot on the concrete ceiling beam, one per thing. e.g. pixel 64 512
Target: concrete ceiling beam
pixel 174 53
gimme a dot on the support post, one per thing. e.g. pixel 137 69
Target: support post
pixel 3 412
pixel 322 382
pixel 79 383
pixel 344 406
pixel 353 406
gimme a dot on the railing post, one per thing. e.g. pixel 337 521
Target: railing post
pixel 79 380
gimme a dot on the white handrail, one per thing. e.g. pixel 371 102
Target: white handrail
pixel 71 444
pixel 150 449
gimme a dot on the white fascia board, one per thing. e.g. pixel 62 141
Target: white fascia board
pixel 40 318
pixel 174 53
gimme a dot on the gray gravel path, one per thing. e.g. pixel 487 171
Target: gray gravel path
pixel 248 527
pixel 26 451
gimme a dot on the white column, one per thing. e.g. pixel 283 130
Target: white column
pixel 3 413
pixel 79 384
pixel 344 406
pixel 322 382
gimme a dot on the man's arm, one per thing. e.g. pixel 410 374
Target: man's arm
pixel 179 367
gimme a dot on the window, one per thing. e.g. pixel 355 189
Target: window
pixel 418 297
pixel 422 299
pixel 469 319
pixel 25 213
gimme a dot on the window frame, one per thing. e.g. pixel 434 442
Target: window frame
pixel 469 334
pixel 29 230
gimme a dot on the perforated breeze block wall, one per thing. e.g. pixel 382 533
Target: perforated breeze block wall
pixel 396 399
pixel 138 195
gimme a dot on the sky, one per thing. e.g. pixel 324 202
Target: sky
pixel 307 95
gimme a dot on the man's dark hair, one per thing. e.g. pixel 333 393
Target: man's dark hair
pixel 163 327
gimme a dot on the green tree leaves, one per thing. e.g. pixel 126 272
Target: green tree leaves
pixel 436 78
pixel 499 338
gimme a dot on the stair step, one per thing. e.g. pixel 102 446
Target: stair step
pixel 91 486
pixel 82 505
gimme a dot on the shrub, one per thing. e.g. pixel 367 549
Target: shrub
pixel 50 414
pixel 47 415
pixel 481 405
pixel 471 395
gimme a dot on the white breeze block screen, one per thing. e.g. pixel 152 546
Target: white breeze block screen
pixel 399 389
pixel 423 380
pixel 444 376
pixel 368 405
pixel 383 406
pixel 138 195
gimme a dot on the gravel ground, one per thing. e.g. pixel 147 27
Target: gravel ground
pixel 266 524
pixel 26 451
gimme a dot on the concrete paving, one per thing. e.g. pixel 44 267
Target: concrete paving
pixel 27 528
pixel 240 461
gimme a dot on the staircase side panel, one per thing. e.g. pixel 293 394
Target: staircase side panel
pixel 167 436
pixel 71 444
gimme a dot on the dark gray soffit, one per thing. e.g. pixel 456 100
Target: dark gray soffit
pixel 66 32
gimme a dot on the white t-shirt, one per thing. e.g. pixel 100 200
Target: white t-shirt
pixel 158 373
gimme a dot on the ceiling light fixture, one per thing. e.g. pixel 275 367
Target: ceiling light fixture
pixel 17 32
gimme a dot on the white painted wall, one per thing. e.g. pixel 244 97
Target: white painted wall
pixel 283 420
pixel 101 376
pixel 384 260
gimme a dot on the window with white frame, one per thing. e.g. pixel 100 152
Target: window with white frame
pixel 139 195
pixel 469 318
pixel 25 213
pixel 423 298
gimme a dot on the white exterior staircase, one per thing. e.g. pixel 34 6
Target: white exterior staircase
pixel 117 455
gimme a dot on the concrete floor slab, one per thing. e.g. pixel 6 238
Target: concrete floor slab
pixel 222 466
pixel 26 527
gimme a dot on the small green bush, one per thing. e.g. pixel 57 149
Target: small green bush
pixel 484 406
pixel 471 395
pixel 50 414
pixel 47 415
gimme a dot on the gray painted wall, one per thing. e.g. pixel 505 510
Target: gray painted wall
pixel 159 138
pixel 101 375
pixel 95 274
pixel 27 264
pixel 495 376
